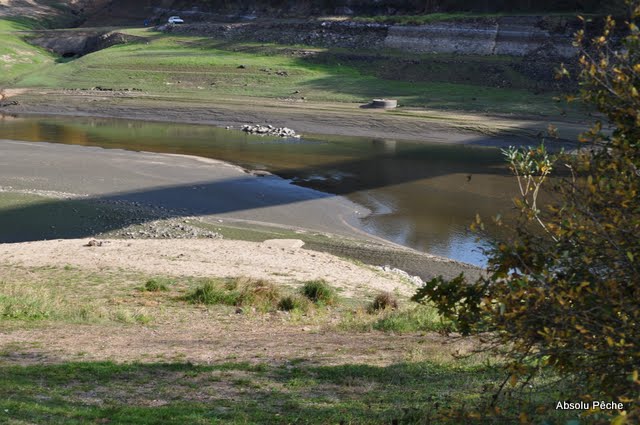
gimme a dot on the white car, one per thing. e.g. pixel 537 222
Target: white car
pixel 176 20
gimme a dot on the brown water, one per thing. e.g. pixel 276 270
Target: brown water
pixel 421 195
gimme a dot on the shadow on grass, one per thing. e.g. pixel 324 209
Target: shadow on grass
pixel 238 393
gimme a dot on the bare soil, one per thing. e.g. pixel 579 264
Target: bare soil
pixel 210 340
pixel 307 118
pixel 272 260
pixel 203 335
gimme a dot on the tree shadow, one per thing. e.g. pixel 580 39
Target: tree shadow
pixel 186 393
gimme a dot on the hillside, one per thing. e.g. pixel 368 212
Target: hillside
pixel 118 12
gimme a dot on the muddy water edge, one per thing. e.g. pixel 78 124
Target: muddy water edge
pixel 422 195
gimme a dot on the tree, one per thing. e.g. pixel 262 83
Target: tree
pixel 563 292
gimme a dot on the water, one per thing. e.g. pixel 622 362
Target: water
pixel 421 195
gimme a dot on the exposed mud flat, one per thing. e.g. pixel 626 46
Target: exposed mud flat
pixel 307 118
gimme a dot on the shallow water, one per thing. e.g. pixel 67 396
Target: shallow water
pixel 421 195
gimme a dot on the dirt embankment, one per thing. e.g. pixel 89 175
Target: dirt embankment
pixel 80 43
pixel 510 36
pixel 315 118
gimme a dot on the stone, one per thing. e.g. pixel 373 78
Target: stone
pixel 287 244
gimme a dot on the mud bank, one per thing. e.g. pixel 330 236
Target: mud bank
pixel 342 119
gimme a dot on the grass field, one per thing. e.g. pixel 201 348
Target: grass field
pixel 71 353
pixel 17 57
pixel 202 68
pixel 121 346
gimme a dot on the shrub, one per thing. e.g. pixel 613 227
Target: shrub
pixel 261 294
pixel 319 292
pixel 156 285
pixel 293 302
pixel 239 292
pixel 212 292
pixel 383 301
pixel 562 291
pixel 418 319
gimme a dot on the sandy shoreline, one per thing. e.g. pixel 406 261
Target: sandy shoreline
pixel 281 261
pixel 214 191
pixel 200 187
pixel 339 218
pixel 342 119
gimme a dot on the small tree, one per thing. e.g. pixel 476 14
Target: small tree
pixel 564 290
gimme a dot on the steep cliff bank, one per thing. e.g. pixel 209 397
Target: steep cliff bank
pixel 513 36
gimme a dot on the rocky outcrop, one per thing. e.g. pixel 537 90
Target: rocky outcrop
pixel 510 36
pixel 269 130
pixel 80 43
pixel 513 36
pixel 310 33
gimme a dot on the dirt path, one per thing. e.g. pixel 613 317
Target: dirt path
pixel 208 340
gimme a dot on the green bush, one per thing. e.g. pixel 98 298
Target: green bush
pixel 319 292
pixel 212 292
pixel 293 302
pixel 156 285
pixel 241 292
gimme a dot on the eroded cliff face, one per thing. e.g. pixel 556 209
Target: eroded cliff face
pixel 511 36
pixel 80 43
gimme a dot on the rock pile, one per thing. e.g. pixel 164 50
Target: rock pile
pixel 164 229
pixel 416 280
pixel 269 130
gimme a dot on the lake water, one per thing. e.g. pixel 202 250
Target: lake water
pixel 421 195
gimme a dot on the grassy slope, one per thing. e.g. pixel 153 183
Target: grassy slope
pixel 17 57
pixel 200 68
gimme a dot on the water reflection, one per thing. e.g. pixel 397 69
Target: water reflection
pixel 421 195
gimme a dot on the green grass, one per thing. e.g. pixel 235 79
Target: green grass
pixel 17 57
pixel 201 69
pixel 409 319
pixel 239 292
pixel 213 292
pixel 319 292
pixel 230 393
pixel 261 295
pixel 29 302
pixel 425 383
pixel 158 285
pixel 40 296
